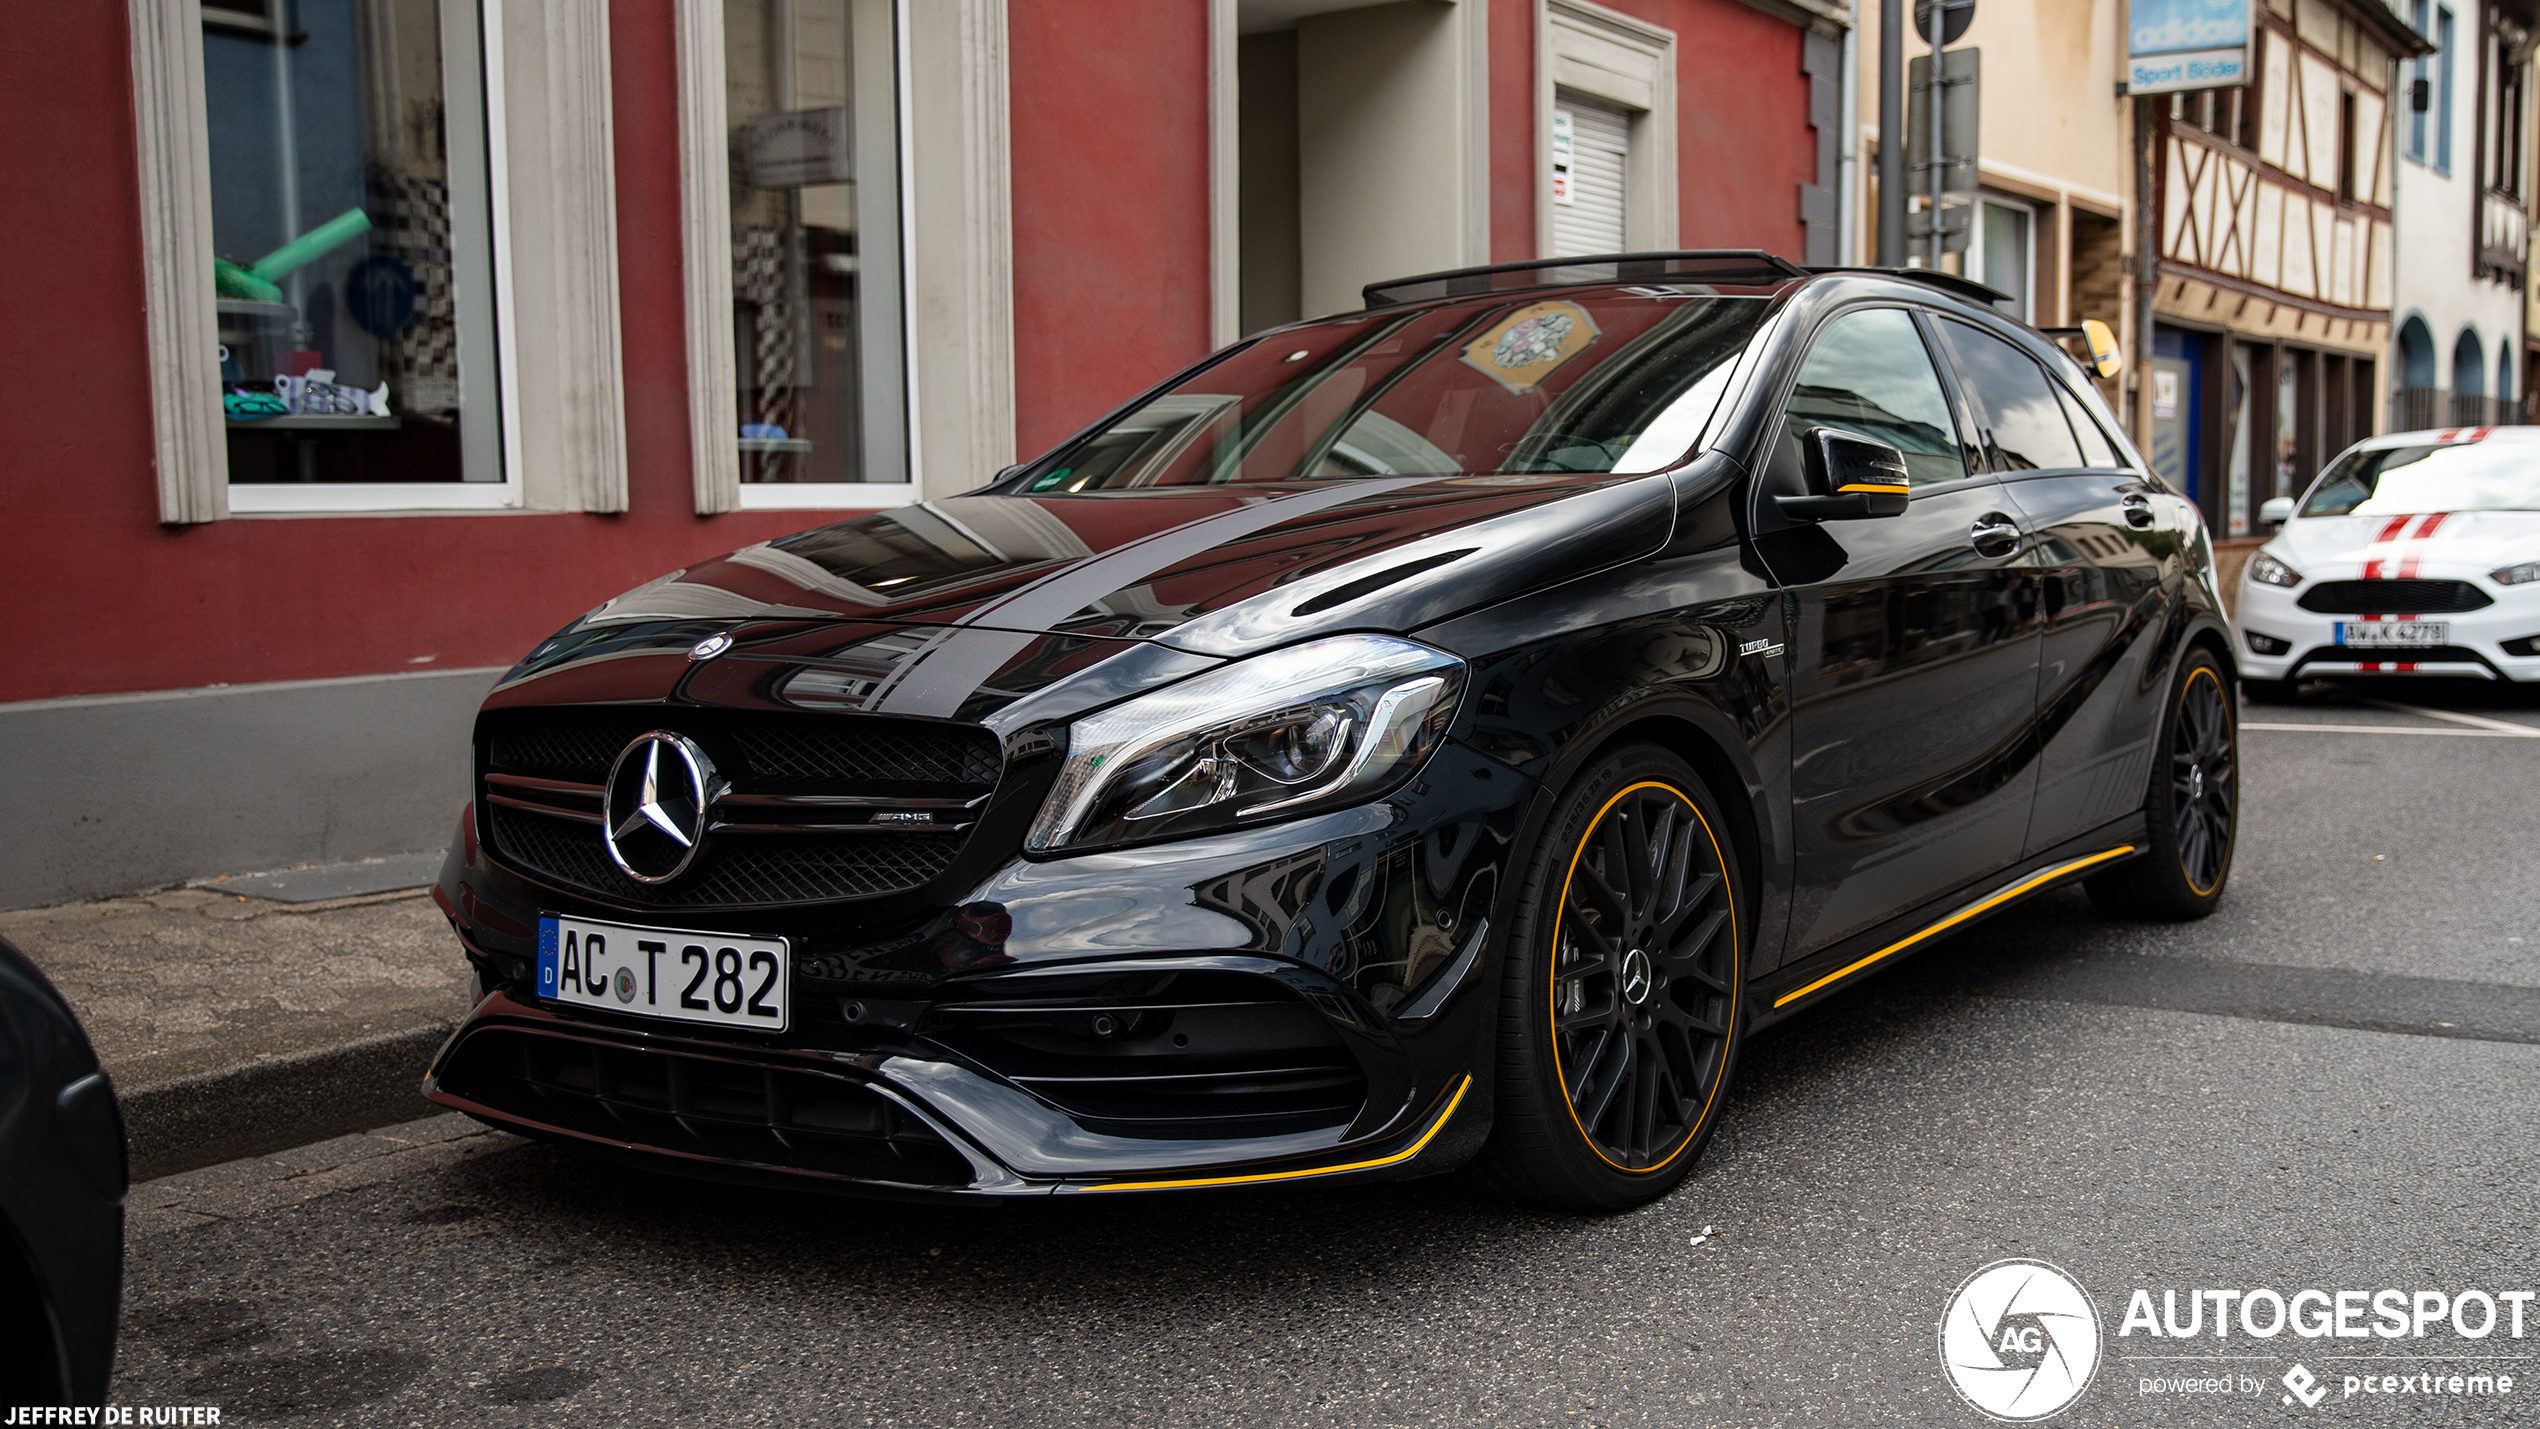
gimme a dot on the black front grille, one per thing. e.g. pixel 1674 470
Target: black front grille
pixel 736 869
pixel 743 1112
pixel 580 747
pixel 2393 597
pixel 922 756
pixel 823 799
pixel 1160 1054
pixel 852 749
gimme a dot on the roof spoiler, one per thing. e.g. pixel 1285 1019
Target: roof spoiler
pixel 1949 283
pixel 1739 266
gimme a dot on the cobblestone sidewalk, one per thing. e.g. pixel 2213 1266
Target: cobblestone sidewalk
pixel 229 1021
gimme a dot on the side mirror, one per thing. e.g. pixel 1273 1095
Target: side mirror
pixel 2276 510
pixel 1849 479
pixel 2105 359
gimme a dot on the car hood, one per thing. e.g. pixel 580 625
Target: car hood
pixel 2450 545
pixel 959 607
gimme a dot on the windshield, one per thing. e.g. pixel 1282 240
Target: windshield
pixel 1594 380
pixel 2407 481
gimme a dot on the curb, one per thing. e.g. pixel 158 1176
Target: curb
pixel 279 1103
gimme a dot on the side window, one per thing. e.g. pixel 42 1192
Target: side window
pixel 1870 375
pixel 2096 449
pixel 2024 427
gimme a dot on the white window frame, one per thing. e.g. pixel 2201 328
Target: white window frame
pixel 564 446
pixel 1568 35
pixel 706 225
pixel 1974 258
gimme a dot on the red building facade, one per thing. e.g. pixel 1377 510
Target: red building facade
pixel 739 269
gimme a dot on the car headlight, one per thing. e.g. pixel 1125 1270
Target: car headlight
pixel 2267 570
pixel 2522 574
pixel 1311 727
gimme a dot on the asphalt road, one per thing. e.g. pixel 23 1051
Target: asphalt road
pixel 2329 1084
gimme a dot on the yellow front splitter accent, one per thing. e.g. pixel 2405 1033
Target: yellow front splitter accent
pixel 1980 906
pixel 1257 1178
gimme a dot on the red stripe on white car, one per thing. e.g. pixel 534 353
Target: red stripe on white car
pixel 2382 544
pixel 2416 551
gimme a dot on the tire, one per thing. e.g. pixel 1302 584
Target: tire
pixel 1615 1053
pixel 2269 692
pixel 2193 810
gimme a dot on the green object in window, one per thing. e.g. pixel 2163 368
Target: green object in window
pixel 252 406
pixel 231 281
pixel 256 281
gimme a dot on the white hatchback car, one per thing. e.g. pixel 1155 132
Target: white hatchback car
pixel 2413 554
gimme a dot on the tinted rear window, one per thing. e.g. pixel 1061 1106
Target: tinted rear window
pixel 2024 426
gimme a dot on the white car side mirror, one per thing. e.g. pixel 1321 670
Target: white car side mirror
pixel 2276 510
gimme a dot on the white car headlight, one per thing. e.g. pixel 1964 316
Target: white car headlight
pixel 2522 574
pixel 2267 570
pixel 1315 726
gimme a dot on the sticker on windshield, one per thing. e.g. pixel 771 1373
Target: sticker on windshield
pixel 1522 349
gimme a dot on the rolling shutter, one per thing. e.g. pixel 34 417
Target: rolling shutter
pixel 1590 218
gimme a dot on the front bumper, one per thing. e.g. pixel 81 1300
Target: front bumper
pixel 2497 642
pixel 878 1123
pixel 1284 1003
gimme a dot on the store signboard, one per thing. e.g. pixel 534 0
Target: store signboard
pixel 799 149
pixel 2174 45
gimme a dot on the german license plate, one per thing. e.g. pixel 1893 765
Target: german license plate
pixel 2393 634
pixel 713 978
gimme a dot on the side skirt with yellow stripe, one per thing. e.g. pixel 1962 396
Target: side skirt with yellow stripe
pixel 1791 988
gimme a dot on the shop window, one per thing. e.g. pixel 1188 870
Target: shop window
pixel 812 112
pixel 1591 159
pixel 352 255
pixel 2000 253
pixel 1606 118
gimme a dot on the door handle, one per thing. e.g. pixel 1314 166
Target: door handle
pixel 1994 535
pixel 2138 509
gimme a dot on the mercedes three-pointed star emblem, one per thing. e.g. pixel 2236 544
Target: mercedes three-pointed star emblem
pixel 658 795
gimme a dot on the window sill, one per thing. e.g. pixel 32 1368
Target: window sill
pixel 290 498
pixel 825 495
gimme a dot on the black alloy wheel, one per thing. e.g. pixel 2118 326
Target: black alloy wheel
pixel 2193 809
pixel 1622 1001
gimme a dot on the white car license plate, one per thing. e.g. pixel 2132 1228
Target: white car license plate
pixel 664 972
pixel 2393 634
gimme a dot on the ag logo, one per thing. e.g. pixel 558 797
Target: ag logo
pixel 2020 1340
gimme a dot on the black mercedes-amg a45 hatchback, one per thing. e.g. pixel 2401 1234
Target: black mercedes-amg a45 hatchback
pixel 1436 734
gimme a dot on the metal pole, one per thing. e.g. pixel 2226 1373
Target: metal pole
pixel 1939 162
pixel 1892 133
